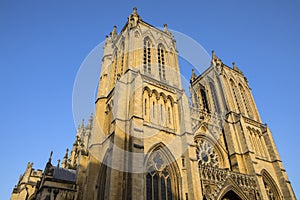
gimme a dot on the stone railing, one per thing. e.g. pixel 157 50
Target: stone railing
pixel 214 179
pixel 221 175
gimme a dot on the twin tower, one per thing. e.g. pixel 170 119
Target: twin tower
pixel 147 140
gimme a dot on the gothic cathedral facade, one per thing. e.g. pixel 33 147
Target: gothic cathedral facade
pixel 147 140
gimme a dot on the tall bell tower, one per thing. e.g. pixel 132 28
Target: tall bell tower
pixel 146 140
pixel 140 118
pixel 252 160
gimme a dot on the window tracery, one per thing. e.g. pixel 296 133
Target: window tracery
pixel 206 154
pixel 245 100
pixel 270 186
pixel 158 179
pixel 214 98
pixel 236 95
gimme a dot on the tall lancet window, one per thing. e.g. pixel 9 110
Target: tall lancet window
pixel 147 55
pixel 235 95
pixel 115 66
pixel 161 62
pixel 122 58
pixel 245 100
pixel 204 99
pixel 214 98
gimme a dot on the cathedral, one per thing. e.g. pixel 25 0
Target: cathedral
pixel 148 140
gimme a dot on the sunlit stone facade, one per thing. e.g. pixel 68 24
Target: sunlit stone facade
pixel 147 140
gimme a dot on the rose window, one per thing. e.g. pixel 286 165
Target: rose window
pixel 206 155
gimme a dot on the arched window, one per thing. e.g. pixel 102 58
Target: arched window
pixel 122 58
pixel 161 113
pixel 161 183
pixel 161 62
pixel 102 181
pixel 115 66
pixel 235 94
pixel 204 99
pixel 245 100
pixel 147 55
pixel 169 115
pixel 153 110
pixel 270 186
pixel 145 107
pixel 214 98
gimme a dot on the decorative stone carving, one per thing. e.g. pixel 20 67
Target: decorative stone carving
pixel 214 179
pixel 206 155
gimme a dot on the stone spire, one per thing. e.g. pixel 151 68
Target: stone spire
pixel 90 123
pixel 194 76
pixel 65 163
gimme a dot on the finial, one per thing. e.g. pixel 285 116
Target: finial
pixel 166 26
pixel 194 76
pixel 82 123
pixel 91 117
pixel 50 158
pixel 134 10
pixel 213 53
pixel 89 125
pixel 67 153
pixel 236 68
pixel 64 163
pixel 114 32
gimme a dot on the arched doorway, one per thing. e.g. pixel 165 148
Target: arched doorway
pixel 230 195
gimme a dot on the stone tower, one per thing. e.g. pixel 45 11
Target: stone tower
pixel 148 141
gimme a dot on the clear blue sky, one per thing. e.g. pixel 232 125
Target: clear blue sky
pixel 43 43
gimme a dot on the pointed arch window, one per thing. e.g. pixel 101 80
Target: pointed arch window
pixel 122 58
pixel 161 62
pixel 204 99
pixel 158 179
pixel 147 55
pixel 115 66
pixel 145 106
pixel 235 94
pixel 214 98
pixel 270 186
pixel 245 100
